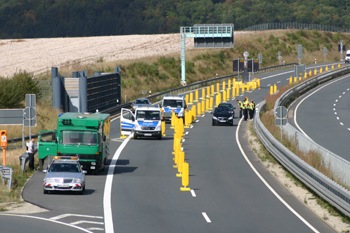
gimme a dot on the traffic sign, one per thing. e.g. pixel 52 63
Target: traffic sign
pixel 279 53
pixel 30 100
pixel 281 122
pixel 29 113
pixel 260 58
pixel 279 57
pixel 11 116
pixel 300 51
pixel 281 112
pixel 324 51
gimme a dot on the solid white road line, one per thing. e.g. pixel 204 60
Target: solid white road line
pixel 206 217
pixel 107 207
pixel 83 221
pixel 267 185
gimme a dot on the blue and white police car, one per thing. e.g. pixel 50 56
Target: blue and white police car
pixel 145 122
pixel 173 102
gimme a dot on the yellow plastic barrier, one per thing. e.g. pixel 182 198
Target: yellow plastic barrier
pixel 199 110
pixel 194 111
pixel 217 87
pixel 172 120
pixel 191 99
pixel 332 67
pixel 203 94
pixel 234 92
pixel 185 177
pixel 207 105
pixel 326 69
pixel 212 90
pixel 223 85
pixel 177 151
pixel 208 92
pixel 163 128
pixel 242 88
pixel 181 160
pixel 229 84
pixel 237 90
pixel 320 70
pixel 228 94
pixel 275 88
pixel 305 75
pixel 224 96
pixel 299 78
pixel 211 103
pixel 196 96
pixel 295 79
pixel 339 65
pixel 315 71
pixel 203 106
pixel 186 99
pixel 220 98
pixel 290 80
pixel 310 73
pixel 216 100
pixel 271 90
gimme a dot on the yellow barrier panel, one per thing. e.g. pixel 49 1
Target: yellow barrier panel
pixel 199 110
pixel 208 92
pixel 191 99
pixel 196 96
pixel 185 177
pixel 223 85
pixel 271 90
pixel 203 94
pixel 217 87
pixel 163 128
pixel 290 80
pixel 181 161
pixel 315 71
pixel 211 103
pixel 212 90
pixel 203 106
pixel 275 88
pixel 177 151
pixel 229 84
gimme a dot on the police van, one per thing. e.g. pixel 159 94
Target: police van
pixel 145 122
pixel 174 103
pixel 347 56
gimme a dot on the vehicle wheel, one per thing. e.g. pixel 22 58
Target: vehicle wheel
pixel 105 161
pixel 45 191
pixel 212 123
pixel 135 137
pixel 160 137
pixel 82 191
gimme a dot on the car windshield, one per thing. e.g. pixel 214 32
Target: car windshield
pixel 172 103
pixel 225 105
pixel 142 101
pixel 148 115
pixel 222 110
pixel 78 137
pixel 64 167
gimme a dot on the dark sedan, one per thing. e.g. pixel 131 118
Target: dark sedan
pixel 228 105
pixel 222 115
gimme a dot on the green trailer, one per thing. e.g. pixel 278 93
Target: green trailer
pixel 83 135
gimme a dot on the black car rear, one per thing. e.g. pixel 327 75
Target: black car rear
pixel 222 115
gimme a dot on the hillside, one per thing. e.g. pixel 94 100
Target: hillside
pixel 81 18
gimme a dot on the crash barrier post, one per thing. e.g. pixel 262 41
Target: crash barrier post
pixel 181 160
pixel 271 90
pixel 163 128
pixel 229 84
pixel 305 75
pixel 211 103
pixel 339 65
pixel 203 93
pixel 196 94
pixel 299 78
pixel 295 79
pixel 223 85
pixel 191 99
pixel 199 109
pixel 275 88
pixel 224 96
pixel 217 87
pixel 212 90
pixel 203 106
pixel 326 69
pixel 185 177
pixel 208 92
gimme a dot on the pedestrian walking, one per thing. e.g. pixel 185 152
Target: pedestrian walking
pixel 30 152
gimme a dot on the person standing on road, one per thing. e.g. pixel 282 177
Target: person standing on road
pixel 245 108
pixel 30 152
pixel 253 103
pixel 240 105
pixel 251 110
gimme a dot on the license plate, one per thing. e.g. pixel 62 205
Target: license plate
pixel 147 134
pixel 92 167
pixel 63 185
pixel 222 121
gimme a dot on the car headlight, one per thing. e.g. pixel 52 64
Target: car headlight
pixel 230 118
pixel 181 114
pixel 215 118
pixel 77 180
pixel 158 128
pixel 136 126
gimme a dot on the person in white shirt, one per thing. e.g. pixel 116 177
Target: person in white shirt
pixel 30 152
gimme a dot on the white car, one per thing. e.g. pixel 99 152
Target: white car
pixel 347 57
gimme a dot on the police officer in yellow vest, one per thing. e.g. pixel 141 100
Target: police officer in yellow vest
pixel 245 108
pixel 251 110
pixel 240 105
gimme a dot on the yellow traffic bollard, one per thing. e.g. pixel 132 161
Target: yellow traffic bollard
pixel 295 79
pixel 199 109
pixel 212 90
pixel 229 84
pixel 163 128
pixel 208 92
pixel 186 118
pixel 271 90
pixel 326 69
pixel 305 75
pixel 248 85
pixel 339 65
pixel 216 100
pixel 315 71
pixel 220 99
pixel 185 177
pixel 194 111
pixel 299 78
pixel 172 119
pixel 223 85
pixel 332 67
pixel 186 99
pixel 217 87
pixel 237 90
pixel 320 70
pixel 258 83
pixel 211 103
pixel 203 94
pixel 228 94
pixel 207 105
pixel 181 160
pixel 191 99
pixel 310 73
pixel 242 88
pixel 234 92
pixel 290 80
pixel 196 96
pixel 176 156
pixel 203 106
pixel 224 96
pixel 275 88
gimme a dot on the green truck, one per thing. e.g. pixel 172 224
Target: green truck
pixel 83 135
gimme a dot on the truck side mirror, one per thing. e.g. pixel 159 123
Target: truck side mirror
pixel 133 118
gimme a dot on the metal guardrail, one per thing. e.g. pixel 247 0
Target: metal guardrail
pixel 159 96
pixel 319 183
pixel 6 174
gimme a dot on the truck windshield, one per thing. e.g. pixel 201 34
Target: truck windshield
pixel 172 103
pixel 78 137
pixel 148 115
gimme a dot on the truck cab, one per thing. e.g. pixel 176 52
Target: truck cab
pixel 145 122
